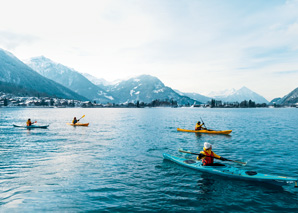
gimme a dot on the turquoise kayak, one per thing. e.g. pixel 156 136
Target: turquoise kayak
pixel 32 126
pixel 232 172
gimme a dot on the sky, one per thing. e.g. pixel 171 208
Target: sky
pixel 190 45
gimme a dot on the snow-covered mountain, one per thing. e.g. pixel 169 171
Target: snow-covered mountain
pixel 97 81
pixel 242 94
pixel 18 78
pixel 69 78
pixel 289 99
pixel 223 93
pixel 196 96
pixel 145 88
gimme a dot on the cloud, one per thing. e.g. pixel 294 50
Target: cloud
pixel 286 72
pixel 10 40
pixel 190 45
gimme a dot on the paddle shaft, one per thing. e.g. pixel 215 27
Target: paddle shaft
pixel 211 156
pixel 203 122
pixel 81 117
pixel 205 126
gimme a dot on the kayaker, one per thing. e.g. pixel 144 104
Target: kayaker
pixel 199 126
pixel 204 156
pixel 74 121
pixel 29 123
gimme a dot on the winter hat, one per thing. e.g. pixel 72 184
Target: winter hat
pixel 207 145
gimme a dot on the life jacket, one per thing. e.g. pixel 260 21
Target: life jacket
pixel 74 121
pixel 208 160
pixel 198 127
pixel 29 123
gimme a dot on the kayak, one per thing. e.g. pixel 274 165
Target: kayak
pixel 232 172
pixel 225 132
pixel 78 124
pixel 32 126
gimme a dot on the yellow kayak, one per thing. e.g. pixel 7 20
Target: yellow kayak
pixel 225 132
pixel 78 124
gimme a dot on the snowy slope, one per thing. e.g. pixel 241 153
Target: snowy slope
pixel 289 99
pixel 242 94
pixel 196 96
pixel 70 79
pixel 145 88
pixel 14 73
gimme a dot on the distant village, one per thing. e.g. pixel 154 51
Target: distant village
pixel 8 100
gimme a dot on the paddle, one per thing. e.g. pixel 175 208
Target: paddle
pixel 81 118
pixel 205 125
pixel 235 161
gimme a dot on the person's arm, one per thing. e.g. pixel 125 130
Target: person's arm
pixel 216 156
pixel 198 126
pixel 219 157
pixel 201 156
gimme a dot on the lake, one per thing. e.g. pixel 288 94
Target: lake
pixel 116 164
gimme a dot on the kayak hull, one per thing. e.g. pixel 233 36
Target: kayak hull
pixel 230 171
pixel 32 126
pixel 224 132
pixel 78 124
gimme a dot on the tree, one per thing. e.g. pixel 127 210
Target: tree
pixel 5 102
pixel 212 103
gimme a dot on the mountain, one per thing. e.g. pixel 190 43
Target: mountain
pixel 19 79
pixel 69 78
pixel 145 88
pixel 289 99
pixel 195 96
pixel 242 94
pixel 223 93
pixel 274 101
pixel 97 81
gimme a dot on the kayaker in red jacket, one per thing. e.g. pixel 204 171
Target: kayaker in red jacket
pixel 207 156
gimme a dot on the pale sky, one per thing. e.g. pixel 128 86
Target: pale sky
pixel 190 45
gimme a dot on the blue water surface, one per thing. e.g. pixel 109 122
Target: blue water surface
pixel 116 164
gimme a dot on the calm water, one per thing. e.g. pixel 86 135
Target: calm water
pixel 116 163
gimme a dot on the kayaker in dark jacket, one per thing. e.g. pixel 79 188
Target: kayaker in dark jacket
pixel 74 121
pixel 207 156
pixel 199 126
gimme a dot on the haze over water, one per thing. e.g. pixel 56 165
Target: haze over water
pixel 116 163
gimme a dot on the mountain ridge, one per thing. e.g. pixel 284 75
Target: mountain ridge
pixel 26 81
pixel 69 78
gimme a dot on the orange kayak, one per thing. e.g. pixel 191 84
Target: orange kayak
pixel 78 124
pixel 225 132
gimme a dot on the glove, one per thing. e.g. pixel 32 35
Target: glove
pixel 223 159
pixel 201 155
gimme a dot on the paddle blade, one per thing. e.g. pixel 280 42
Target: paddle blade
pixel 82 117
